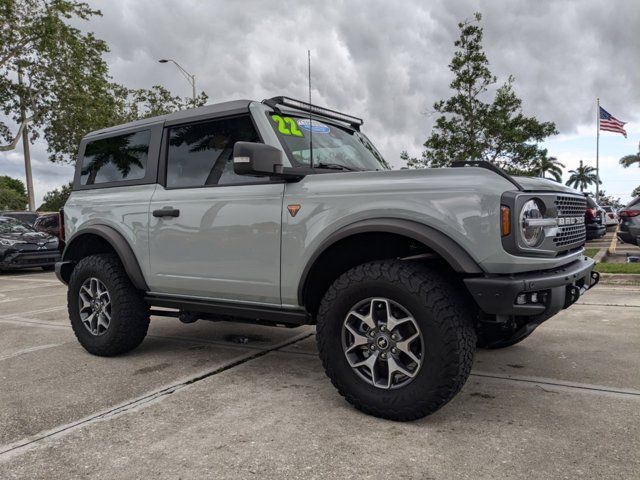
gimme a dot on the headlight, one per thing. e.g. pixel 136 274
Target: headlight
pixel 8 242
pixel 531 235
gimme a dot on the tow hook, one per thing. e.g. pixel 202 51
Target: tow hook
pixel 572 295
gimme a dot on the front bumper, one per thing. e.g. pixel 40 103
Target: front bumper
pixel 29 258
pixel 557 289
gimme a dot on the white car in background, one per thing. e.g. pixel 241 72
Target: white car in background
pixel 611 217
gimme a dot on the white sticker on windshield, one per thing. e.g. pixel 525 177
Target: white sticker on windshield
pixel 314 126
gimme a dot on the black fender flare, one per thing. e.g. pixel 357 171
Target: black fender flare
pixel 118 243
pixel 440 243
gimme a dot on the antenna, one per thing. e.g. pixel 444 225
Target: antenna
pixel 310 120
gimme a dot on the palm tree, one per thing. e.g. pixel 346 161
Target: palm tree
pixel 551 165
pixel 582 177
pixel 629 160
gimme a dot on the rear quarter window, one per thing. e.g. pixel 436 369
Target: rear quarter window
pixel 115 159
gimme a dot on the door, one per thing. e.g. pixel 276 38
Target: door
pixel 214 234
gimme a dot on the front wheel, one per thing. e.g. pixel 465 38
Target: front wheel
pixel 108 315
pixel 395 339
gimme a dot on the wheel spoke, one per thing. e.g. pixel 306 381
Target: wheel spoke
pixel 102 321
pixel 358 339
pixel 89 321
pixel 366 319
pixel 370 364
pixel 396 367
pixel 393 322
pixel 86 302
pixel 405 347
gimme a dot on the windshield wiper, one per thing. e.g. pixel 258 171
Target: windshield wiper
pixel 335 166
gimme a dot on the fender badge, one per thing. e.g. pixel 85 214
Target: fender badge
pixel 294 209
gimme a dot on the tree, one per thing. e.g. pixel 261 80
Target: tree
pixel 604 199
pixel 56 198
pixel 636 192
pixel 13 194
pixel 53 77
pixel 629 160
pixel 471 129
pixel 543 165
pixel 582 177
pixel 50 70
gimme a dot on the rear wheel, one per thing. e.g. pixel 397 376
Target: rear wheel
pixel 108 314
pixel 395 339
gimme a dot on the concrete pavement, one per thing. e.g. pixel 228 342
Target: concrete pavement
pixel 239 401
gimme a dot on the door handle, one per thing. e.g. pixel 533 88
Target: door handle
pixel 166 212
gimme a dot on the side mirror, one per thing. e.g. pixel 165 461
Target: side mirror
pixel 261 160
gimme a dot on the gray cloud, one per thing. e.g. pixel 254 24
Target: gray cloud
pixel 384 61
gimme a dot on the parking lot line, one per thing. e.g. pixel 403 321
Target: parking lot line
pixel 29 350
pixel 31 279
pixel 26 287
pixel 563 384
pixel 32 312
pixel 5 300
pixel 9 450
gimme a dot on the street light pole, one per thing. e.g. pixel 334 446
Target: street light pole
pixel 190 78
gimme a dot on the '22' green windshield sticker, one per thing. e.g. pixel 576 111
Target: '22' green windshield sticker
pixel 287 126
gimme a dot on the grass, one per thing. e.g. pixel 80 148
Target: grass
pixel 591 252
pixel 618 268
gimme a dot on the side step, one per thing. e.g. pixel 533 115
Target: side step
pixel 211 310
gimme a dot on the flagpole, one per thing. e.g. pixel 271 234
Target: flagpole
pixel 598 148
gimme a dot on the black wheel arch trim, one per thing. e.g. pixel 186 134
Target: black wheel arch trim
pixel 440 243
pixel 120 246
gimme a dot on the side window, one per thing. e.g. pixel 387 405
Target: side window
pixel 114 159
pixel 201 154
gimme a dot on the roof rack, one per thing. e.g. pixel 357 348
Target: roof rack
pixel 355 122
pixel 488 166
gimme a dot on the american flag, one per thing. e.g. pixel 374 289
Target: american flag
pixel 610 123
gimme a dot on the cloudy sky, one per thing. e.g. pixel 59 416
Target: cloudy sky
pixel 385 62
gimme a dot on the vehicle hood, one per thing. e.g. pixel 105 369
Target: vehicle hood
pixel 535 184
pixel 28 237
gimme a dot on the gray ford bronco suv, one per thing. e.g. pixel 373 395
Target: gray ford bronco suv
pixel 283 213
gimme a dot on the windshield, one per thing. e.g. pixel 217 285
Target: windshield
pixel 11 225
pixel 334 147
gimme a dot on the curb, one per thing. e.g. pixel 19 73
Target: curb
pixel 620 279
pixel 600 256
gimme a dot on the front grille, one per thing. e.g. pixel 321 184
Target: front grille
pixel 570 206
pixel 34 258
pixel 569 236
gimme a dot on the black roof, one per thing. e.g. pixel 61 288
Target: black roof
pixel 225 108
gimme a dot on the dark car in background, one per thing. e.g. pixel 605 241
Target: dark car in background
pixel 48 223
pixel 629 231
pixel 21 246
pixel 594 219
pixel 25 217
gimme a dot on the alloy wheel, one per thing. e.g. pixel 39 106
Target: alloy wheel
pixel 95 306
pixel 382 343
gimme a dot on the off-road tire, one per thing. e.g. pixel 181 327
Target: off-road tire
pixel 129 312
pixel 445 322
